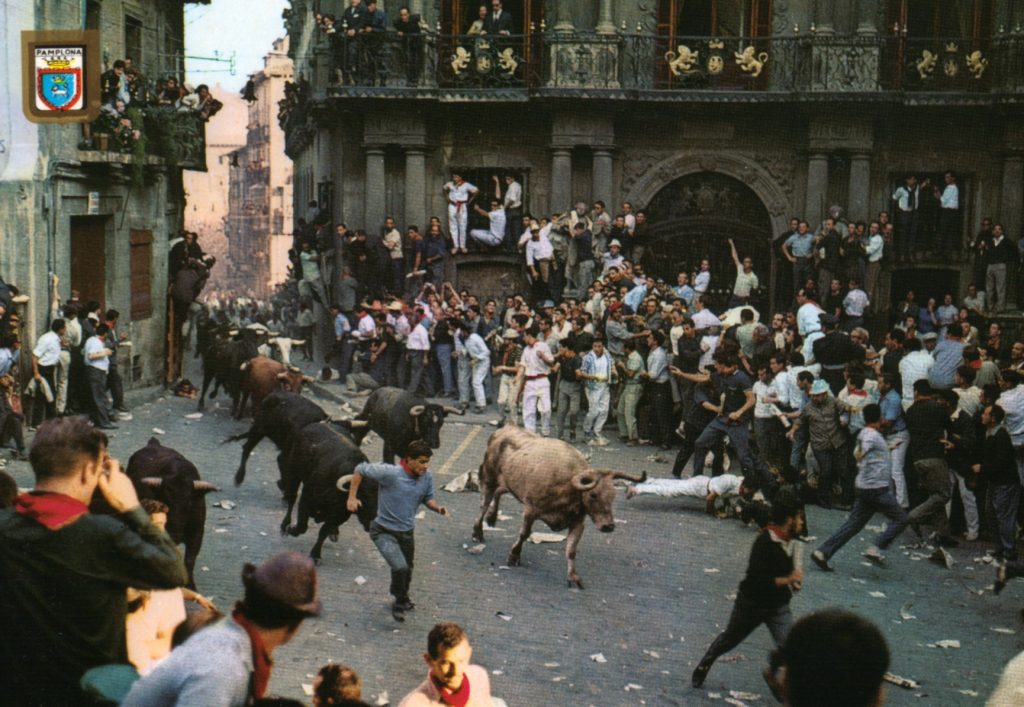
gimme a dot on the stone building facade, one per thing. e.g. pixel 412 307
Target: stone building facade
pixel 98 219
pixel 259 221
pixel 723 118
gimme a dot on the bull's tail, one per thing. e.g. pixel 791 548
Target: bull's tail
pixel 236 438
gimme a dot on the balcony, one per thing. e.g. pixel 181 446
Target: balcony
pixel 150 135
pixel 804 66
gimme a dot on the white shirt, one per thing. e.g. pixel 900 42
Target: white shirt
pixel 950 198
pixel 762 408
pixel 610 261
pixel 702 282
pixel 708 345
pixel 74 333
pixel 533 363
pixel 875 248
pixel 969 399
pixel 47 349
pixel 539 249
pixel 808 348
pixel 705 319
pixel 497 225
pixel 419 339
pixel 855 302
pixel 807 318
pixel 630 220
pixel 310 265
pixel 366 328
pixel 914 366
pixel 460 193
pixel 905 198
pixel 514 196
pixel 95 345
pixel 393 240
pixel 1012 403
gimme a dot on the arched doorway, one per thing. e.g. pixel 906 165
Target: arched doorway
pixel 693 217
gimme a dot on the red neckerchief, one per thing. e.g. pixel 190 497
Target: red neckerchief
pixel 780 532
pixel 260 657
pixel 975 364
pixel 54 510
pixel 455 698
pixel 861 393
pixel 405 467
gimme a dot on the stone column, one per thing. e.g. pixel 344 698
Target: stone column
pixel 817 185
pixel 860 184
pixel 561 179
pixel 373 213
pixel 867 17
pixel 602 176
pixel 605 22
pixel 823 17
pixel 415 187
pixel 1011 206
pixel 563 17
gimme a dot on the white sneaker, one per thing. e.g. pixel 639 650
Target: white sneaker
pixel 600 441
pixel 971 536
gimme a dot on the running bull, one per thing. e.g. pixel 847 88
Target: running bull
pixel 554 482
pixel 163 474
pixel 400 417
pixel 261 376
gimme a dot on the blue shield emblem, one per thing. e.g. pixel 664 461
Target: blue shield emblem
pixel 59 89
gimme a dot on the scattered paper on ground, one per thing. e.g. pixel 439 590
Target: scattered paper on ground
pixel 476 549
pixel 538 538
pixel 469 481
pixel 194 416
pixel 969 693
pixel 360 580
pixel 901 681
pixel 905 612
pixel 158 431
pixel 711 570
pixel 382 698
pixel 307 690
pixel 633 686
pixel 737 694
pixel 877 595
pixel 225 504
pixel 947 643
pixel 1000 629
pixel 503 616
pixel 551 665
pixel 598 658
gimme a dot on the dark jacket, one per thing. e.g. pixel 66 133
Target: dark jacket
pixel 354 17
pixel 998 465
pixel 926 422
pixel 63 598
pixel 768 560
pixel 494 25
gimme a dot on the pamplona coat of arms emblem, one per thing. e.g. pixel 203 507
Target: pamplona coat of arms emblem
pixel 59 78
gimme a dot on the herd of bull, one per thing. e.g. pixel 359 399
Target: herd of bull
pixel 317 456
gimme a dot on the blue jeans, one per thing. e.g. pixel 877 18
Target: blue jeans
pixel 397 548
pixel 866 504
pixel 444 362
pixel 739 437
pixel 1005 501
pixel 796 455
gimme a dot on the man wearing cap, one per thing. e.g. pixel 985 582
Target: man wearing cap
pixel 509 367
pixel 536 361
pixel 401 490
pixel 834 351
pixel 820 418
pixel 230 662
pixel 64 572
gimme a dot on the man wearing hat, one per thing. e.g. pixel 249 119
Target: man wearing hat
pixel 613 258
pixel 229 663
pixel 508 367
pixel 820 418
pixel 833 351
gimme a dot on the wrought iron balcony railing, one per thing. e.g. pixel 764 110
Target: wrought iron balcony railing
pixel 432 64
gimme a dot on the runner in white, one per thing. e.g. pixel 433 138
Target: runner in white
pixel 706 487
pixel 460 195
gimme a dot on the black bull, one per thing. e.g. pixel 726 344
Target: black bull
pixel 163 474
pixel 399 417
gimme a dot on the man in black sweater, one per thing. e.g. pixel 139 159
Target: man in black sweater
pixel 64 572
pixel 764 593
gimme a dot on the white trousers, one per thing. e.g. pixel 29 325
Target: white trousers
pixel 63 368
pixel 969 501
pixel 485 237
pixel 537 398
pixel 696 486
pixel 457 216
pixel 897 457
pixel 508 393
pixel 598 400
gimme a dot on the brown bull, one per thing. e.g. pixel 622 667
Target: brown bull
pixel 554 482
pixel 261 376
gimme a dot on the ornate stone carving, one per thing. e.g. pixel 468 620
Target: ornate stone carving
pixel 750 61
pixel 780 170
pixel 636 165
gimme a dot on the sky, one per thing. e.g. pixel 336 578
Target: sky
pixel 247 27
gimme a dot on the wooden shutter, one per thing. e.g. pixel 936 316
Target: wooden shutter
pixel 141 273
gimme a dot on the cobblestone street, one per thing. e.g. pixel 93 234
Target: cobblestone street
pixel 657 590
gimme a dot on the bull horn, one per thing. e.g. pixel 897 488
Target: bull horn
pixel 630 477
pixel 233 332
pixel 204 486
pixel 298 342
pixel 308 379
pixel 151 481
pixel 417 410
pixel 358 424
pixel 584 481
pixel 274 334
pixel 244 367
pixel 344 482
pixel 453 411
pixel 283 375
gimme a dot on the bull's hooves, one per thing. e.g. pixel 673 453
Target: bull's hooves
pixel 239 480
pixel 513 561
pixel 575 583
pixel 333 537
pixel 294 531
pixel 316 560
pixel 478 537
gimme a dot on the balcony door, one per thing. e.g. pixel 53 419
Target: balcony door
pixel 715 18
pixel 459 15
pixel 941 46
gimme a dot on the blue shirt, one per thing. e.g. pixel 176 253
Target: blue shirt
pixel 685 293
pixel 7 360
pixel 874 469
pixel 892 410
pixel 399 496
pixel 635 296
pixel 801 246
pixel 948 355
pixel 342 327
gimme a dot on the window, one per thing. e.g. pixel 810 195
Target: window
pixel 459 15
pixel 483 179
pixel 141 272
pixel 714 18
pixel 953 19
pixel 133 39
pixel 92 14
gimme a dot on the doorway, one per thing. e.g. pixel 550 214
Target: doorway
pixel 89 257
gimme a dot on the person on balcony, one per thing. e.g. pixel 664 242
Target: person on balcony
pixel 114 84
pixel 497 20
pixel 460 195
pixel 208 105
pixel 410 34
pixel 477 26
pixel 493 235
pixel 353 20
pixel 374 31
